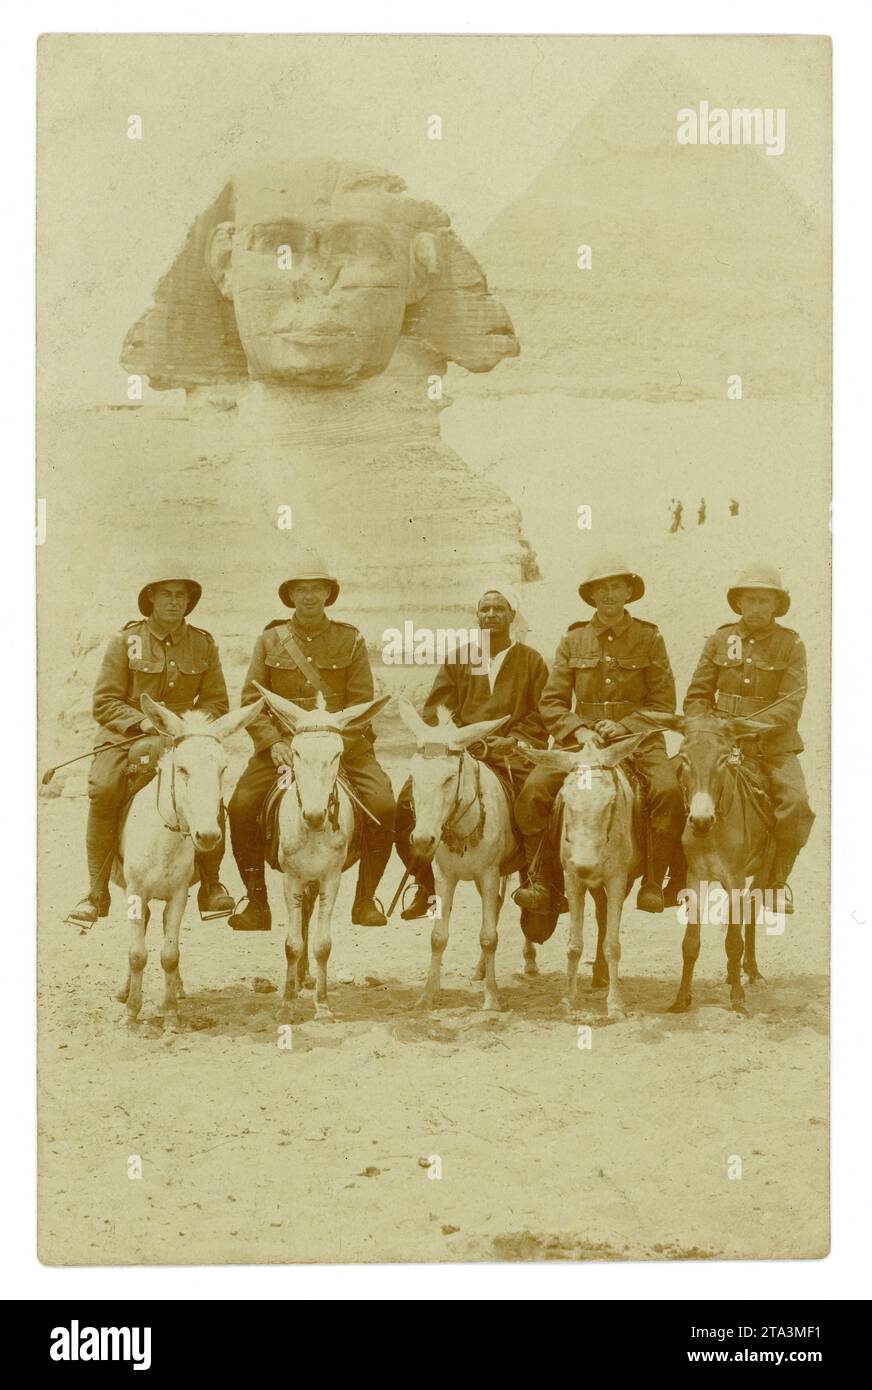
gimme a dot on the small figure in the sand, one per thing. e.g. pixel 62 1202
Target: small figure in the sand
pixel 676 509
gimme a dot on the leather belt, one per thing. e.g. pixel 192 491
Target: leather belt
pixel 738 704
pixel 609 709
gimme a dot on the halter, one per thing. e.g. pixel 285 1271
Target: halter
pixel 177 828
pixel 333 798
pixel 452 839
pixel 733 761
pixel 594 767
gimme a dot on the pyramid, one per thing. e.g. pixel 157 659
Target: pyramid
pixel 704 262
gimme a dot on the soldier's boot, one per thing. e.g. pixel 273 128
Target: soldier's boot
pixel 255 916
pixel 781 870
pixel 650 895
pixel 213 900
pixel 101 845
pixel 366 910
pixel 677 880
pixel 535 894
pixel 425 890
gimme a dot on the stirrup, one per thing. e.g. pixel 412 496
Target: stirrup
pixel 213 914
pixel 88 911
pixel 419 906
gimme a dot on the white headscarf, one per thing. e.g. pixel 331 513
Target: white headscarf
pixel 505 591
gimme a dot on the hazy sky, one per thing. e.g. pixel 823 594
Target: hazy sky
pixel 114 211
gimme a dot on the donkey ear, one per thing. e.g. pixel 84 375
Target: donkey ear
pixel 356 716
pixel 554 759
pixel 236 719
pixel 162 718
pixel 471 733
pixel 748 728
pixel 413 721
pixel 615 753
pixel 661 719
pixel 289 714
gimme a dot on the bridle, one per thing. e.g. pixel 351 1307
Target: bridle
pixel 594 767
pixel 178 828
pixel 734 760
pixel 333 798
pixel 449 836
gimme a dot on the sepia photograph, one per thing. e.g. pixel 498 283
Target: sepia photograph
pixel 433 610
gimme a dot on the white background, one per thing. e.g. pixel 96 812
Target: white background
pixel 845 1274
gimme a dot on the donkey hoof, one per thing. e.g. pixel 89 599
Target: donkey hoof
pixel 739 1006
pixel 286 1013
pixel 122 992
pixel 171 1021
pixel 492 1004
pixel 616 1014
pixel 599 981
pixel 307 982
pixel 425 1002
pixel 477 974
pixel 680 1006
pixel 324 1014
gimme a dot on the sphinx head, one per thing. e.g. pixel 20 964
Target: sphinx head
pixel 309 273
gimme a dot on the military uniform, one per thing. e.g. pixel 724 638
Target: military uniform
pixel 608 673
pixel 740 672
pixel 182 671
pixel 338 652
pixel 600 673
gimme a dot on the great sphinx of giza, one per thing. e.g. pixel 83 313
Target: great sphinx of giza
pixel 310 316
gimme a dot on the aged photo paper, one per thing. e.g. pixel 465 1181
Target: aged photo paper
pixel 433 584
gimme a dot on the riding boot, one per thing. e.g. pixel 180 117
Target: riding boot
pixel 101 842
pixel 256 915
pixel 425 889
pixel 213 900
pixel 650 895
pixel 780 873
pixel 535 894
pixel 677 880
pixel 375 852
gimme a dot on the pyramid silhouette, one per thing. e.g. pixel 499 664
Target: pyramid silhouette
pixel 704 261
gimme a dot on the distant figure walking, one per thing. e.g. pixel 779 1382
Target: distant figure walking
pixel 676 510
pixel 700 512
pixel 734 507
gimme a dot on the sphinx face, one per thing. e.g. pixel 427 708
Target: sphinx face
pixel 320 291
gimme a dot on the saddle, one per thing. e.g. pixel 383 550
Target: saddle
pixel 269 824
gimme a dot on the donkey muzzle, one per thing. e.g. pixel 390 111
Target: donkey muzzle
pixel 423 846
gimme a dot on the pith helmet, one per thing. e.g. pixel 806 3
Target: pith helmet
pixel 759 577
pixel 611 567
pixel 171 571
pixel 308 564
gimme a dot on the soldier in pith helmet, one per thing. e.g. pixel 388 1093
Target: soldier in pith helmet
pixel 297 658
pixel 606 669
pixel 745 666
pixel 166 657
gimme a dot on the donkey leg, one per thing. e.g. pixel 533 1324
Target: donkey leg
pixel 749 962
pixel 322 944
pixel 137 955
pixel 575 895
pixel 489 888
pixel 304 978
pixel 531 965
pixel 600 976
pixel 169 954
pixel 293 890
pixel 438 941
pixel 689 954
pixel 615 889
pixel 733 946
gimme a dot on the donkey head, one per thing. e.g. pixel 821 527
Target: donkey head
pixel 199 764
pixel 436 769
pixel 589 795
pixel 316 746
pixel 706 750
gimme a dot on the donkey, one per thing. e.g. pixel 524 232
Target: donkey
pixel 462 824
pixel 162 831
pixel 726 840
pixel 600 854
pixel 316 834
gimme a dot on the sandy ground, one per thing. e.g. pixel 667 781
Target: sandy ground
pixel 537 1148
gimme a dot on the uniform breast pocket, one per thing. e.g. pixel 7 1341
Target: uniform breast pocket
pixel 768 676
pixel 334 678
pixel 146 677
pixel 730 677
pixel 585 681
pixel 184 680
pixel 632 678
pixel 286 680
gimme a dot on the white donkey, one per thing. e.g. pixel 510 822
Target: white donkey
pixel 462 824
pixel 316 830
pixel 600 853
pixel 169 819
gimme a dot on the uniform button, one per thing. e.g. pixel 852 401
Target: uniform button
pixel 611 637
pixel 747 680
pixel 747 661
pixel 608 682
pixel 172 683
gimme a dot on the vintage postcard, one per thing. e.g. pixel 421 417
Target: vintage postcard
pixel 433 491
